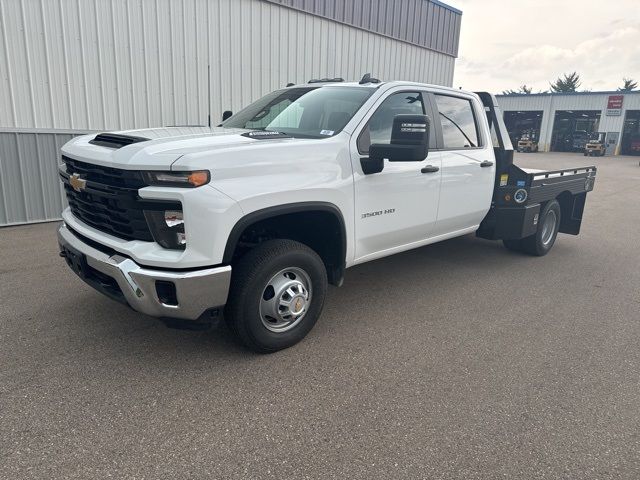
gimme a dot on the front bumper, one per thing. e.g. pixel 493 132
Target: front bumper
pixel 122 279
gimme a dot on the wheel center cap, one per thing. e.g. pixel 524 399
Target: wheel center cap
pixel 297 305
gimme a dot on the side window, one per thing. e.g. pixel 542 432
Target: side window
pixel 459 129
pixel 378 129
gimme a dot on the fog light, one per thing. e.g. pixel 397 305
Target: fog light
pixel 173 218
pixel 167 228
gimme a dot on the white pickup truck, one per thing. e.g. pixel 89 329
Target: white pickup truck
pixel 254 218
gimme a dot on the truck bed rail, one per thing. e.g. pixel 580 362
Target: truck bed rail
pixel 561 173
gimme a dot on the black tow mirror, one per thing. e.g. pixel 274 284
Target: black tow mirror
pixel 226 114
pixel 409 140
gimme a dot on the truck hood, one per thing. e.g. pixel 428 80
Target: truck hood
pixel 163 147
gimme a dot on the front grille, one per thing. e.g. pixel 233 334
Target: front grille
pixel 115 177
pixel 109 201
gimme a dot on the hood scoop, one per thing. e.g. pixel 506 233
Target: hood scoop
pixel 115 140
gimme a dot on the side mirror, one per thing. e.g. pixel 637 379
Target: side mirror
pixel 226 114
pixel 409 140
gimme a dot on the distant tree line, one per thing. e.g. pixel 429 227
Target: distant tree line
pixel 569 82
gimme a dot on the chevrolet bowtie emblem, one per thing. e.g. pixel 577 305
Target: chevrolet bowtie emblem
pixel 77 183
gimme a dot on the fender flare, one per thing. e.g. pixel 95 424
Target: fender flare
pixel 276 211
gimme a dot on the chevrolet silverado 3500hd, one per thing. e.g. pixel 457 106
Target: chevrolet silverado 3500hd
pixel 255 217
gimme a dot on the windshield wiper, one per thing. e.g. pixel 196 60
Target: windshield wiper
pixel 458 127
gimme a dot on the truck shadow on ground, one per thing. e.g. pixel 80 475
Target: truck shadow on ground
pixel 383 284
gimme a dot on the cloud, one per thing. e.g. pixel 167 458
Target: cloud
pixel 535 52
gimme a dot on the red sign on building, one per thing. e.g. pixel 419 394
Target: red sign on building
pixel 614 104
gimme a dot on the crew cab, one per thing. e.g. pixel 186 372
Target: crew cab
pixel 252 219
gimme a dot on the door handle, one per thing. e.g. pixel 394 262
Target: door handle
pixel 486 163
pixel 429 169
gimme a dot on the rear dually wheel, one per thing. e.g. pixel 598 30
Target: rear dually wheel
pixel 542 241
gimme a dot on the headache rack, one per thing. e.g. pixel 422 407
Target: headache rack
pixel 519 194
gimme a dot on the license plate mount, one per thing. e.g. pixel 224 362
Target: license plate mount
pixel 76 260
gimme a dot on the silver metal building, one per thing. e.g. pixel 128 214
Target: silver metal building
pixel 69 67
pixel 558 116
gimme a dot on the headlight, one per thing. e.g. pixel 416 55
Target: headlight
pixel 167 228
pixel 177 179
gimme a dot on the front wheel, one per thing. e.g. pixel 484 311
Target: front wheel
pixel 276 296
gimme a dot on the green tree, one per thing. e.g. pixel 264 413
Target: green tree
pixel 568 83
pixel 629 84
pixel 522 89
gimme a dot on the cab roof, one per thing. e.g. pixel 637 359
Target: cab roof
pixel 395 83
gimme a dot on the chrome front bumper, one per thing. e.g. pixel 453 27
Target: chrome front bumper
pixel 120 278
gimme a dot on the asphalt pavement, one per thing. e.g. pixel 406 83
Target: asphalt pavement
pixel 456 360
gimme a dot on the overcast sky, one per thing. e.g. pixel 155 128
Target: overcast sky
pixel 505 43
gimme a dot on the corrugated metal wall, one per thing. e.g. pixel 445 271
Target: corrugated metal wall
pixel 120 64
pixel 88 65
pixel 422 22
pixel 29 186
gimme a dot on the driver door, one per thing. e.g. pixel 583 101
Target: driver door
pixel 395 209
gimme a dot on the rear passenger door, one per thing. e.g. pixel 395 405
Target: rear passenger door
pixel 468 163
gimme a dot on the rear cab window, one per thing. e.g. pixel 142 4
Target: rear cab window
pixel 458 122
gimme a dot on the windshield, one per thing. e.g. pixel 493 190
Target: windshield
pixel 307 112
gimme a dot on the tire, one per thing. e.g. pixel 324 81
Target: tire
pixel 542 241
pixel 603 153
pixel 270 275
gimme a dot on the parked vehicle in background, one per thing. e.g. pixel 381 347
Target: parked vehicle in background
pixel 255 217
pixel 596 145
pixel 528 142
pixel 579 140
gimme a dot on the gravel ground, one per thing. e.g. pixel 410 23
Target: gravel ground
pixel 457 360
